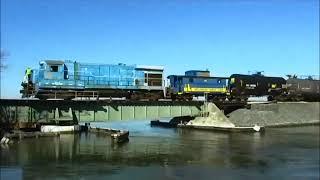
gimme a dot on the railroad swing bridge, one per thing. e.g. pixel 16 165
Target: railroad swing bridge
pixel 89 111
pixel 24 110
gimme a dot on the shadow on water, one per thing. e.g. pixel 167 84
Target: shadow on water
pixel 168 153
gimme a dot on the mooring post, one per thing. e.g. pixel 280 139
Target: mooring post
pixel 16 114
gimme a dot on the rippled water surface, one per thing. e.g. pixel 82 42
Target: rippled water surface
pixel 157 153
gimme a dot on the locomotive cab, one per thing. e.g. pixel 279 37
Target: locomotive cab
pixel 53 70
pixel 149 82
pixel 51 78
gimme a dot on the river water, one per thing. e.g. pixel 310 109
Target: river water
pixel 158 153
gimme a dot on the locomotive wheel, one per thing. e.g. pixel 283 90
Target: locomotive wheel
pixel 173 97
pixel 43 98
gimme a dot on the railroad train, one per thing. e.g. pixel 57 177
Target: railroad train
pixel 68 80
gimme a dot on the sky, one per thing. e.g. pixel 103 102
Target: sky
pixel 278 37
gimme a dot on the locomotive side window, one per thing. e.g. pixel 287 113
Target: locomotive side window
pixel 145 78
pixel 191 80
pixel 54 68
pixel 233 80
pixel 65 72
pixel 175 79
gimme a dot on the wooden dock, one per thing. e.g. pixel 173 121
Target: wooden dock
pixel 117 136
pixel 226 129
pixel 36 134
pixel 18 135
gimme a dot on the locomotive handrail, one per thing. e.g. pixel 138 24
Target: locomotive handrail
pixel 310 77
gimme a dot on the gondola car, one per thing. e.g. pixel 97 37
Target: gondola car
pixel 197 83
pixel 243 86
pixel 299 89
pixel 68 79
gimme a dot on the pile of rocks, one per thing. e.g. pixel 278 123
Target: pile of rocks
pixel 277 114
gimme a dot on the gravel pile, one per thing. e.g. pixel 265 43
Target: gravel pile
pixel 277 114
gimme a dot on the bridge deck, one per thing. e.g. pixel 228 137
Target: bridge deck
pixel 32 110
pixel 31 102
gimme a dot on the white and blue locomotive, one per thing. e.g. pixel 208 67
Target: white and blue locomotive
pixel 68 79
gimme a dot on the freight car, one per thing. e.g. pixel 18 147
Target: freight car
pixel 299 89
pixel 67 80
pixel 242 86
pixel 197 83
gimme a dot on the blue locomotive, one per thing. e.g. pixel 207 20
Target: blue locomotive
pixel 197 83
pixel 68 79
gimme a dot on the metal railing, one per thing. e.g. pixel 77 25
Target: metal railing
pixel 104 81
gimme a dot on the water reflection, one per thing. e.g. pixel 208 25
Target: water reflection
pixel 171 153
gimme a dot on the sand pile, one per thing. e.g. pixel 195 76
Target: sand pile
pixel 211 116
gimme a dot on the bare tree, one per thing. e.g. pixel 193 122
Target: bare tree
pixel 3 56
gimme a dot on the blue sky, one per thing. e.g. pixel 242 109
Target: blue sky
pixel 277 36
